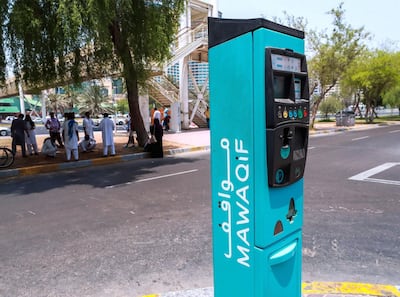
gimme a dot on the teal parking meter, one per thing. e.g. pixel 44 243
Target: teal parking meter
pixel 259 104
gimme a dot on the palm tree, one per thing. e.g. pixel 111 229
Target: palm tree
pixel 71 96
pixel 57 103
pixel 94 101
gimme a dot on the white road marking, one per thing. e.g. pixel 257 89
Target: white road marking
pixel 166 175
pixel 311 147
pixel 153 178
pixel 359 138
pixel 383 181
pixel 394 131
pixel 366 175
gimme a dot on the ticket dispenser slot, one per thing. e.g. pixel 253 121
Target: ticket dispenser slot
pixel 287 110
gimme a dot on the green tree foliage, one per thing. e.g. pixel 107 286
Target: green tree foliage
pixel 373 75
pixel 58 42
pixel 58 103
pixel 333 53
pixel 3 15
pixel 93 100
pixel 123 106
pixel 330 105
pixel 392 97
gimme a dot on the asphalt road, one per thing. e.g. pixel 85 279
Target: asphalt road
pixel 351 227
pixel 145 226
pixel 107 231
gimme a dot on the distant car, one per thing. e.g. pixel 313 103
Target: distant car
pixel 121 121
pixel 8 119
pixel 5 131
pixel 37 119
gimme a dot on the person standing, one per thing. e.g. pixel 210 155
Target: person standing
pixel 18 134
pixel 131 138
pixel 157 114
pixel 207 114
pixel 70 136
pixel 54 126
pixel 88 125
pixel 30 136
pixel 157 148
pixel 88 143
pixel 166 121
pixel 107 130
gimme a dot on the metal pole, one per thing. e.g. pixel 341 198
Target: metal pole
pixel 21 98
pixel 45 96
pixel 115 109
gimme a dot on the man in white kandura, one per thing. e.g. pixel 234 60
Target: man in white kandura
pixel 88 143
pixel 107 130
pixel 88 125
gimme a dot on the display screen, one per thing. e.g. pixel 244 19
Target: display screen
pixel 297 89
pixel 285 63
pixel 281 87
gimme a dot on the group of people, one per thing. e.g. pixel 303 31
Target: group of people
pixel 66 136
pixel 23 134
pixel 62 136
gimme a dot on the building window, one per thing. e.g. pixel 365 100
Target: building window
pixel 117 86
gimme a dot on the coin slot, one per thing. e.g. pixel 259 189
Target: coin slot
pixel 292 211
pixel 278 228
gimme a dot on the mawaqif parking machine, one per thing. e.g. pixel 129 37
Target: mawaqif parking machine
pixel 259 103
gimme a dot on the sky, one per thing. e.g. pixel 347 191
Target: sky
pixel 380 18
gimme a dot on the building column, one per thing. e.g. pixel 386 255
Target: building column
pixel 184 91
pixel 44 97
pixel 144 110
pixel 175 122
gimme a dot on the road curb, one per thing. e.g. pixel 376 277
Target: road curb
pixel 46 168
pixel 187 150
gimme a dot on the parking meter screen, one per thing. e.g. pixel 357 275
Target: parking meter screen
pixel 281 62
pixel 280 91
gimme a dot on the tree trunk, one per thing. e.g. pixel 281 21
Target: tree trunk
pixel 130 74
pixel 314 112
pixel 136 116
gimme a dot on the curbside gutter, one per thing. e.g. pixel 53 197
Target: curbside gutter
pixel 46 168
